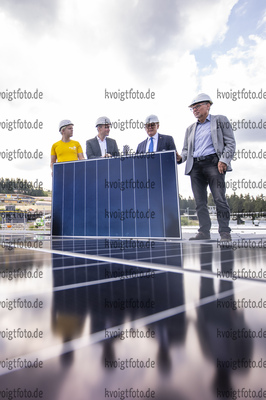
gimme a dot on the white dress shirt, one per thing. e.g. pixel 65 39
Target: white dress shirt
pixel 103 146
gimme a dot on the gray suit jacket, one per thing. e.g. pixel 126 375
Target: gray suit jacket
pixel 93 149
pixel 222 138
pixel 165 142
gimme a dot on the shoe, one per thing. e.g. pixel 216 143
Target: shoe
pixel 201 236
pixel 225 237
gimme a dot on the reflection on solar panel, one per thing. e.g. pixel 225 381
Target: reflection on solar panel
pixel 127 319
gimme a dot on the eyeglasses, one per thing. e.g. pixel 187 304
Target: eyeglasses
pixel 196 107
pixel 152 125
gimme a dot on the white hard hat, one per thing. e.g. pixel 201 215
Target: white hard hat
pixel 200 98
pixel 103 121
pixel 151 119
pixel 63 123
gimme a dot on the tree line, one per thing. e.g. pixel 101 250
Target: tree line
pixel 21 186
pixel 242 203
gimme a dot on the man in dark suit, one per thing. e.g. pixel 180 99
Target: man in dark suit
pixel 155 141
pixel 208 148
pixel 101 145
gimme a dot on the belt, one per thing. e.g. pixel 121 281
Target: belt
pixel 202 158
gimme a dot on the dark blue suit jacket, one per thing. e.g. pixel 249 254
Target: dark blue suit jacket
pixel 165 142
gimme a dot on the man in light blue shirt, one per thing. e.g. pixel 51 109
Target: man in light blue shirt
pixel 208 148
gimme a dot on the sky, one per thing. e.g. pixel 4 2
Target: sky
pixel 73 55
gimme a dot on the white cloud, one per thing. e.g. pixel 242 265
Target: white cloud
pixel 262 21
pixel 241 9
pixel 87 47
pixel 241 41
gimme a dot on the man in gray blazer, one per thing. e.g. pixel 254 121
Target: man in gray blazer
pixel 208 148
pixel 101 145
pixel 155 141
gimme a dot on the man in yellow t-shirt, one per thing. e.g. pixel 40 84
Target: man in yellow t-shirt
pixel 66 149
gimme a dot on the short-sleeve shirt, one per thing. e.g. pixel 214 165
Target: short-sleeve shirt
pixel 66 151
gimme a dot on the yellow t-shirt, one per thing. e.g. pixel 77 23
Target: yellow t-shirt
pixel 66 151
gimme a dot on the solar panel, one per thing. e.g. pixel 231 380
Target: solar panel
pixel 121 318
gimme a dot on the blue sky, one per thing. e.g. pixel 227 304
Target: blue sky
pixel 245 19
